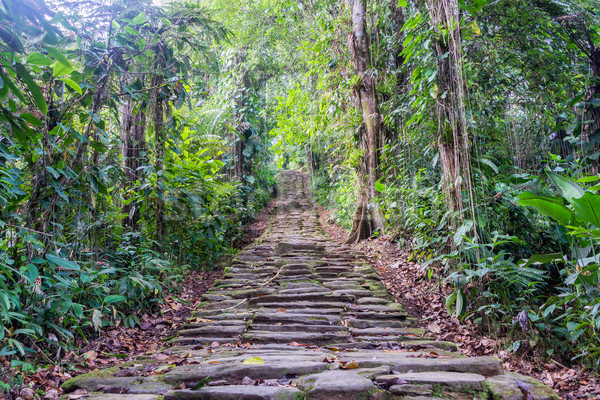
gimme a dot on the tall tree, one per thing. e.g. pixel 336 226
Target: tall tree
pixel 366 218
pixel 452 136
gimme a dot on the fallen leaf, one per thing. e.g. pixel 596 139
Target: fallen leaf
pixel 90 356
pixel 253 360
pixel 350 365
pixel 434 327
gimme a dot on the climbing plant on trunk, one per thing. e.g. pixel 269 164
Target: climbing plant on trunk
pixel 366 218
pixel 452 136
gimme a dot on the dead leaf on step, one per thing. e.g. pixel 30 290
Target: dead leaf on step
pixel 163 368
pixel 350 365
pixel 280 310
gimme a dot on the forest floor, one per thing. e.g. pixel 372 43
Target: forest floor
pixel 118 343
pixel 425 299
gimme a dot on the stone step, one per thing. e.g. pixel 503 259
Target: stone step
pixel 293 318
pixel 387 332
pixel 314 297
pixel 235 392
pixel 213 330
pixel 296 328
pixel 185 340
pixel 360 323
pixel 307 305
pixel 289 337
pixel 193 324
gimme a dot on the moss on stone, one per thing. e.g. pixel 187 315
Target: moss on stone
pixel 73 383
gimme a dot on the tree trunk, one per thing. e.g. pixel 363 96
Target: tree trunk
pixel 592 112
pixel 366 218
pixel 452 137
pixel 158 116
pixel 134 155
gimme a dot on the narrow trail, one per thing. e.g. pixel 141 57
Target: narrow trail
pixel 299 316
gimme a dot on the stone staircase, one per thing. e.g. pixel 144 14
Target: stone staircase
pixel 298 316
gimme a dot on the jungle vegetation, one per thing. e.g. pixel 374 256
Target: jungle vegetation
pixel 137 137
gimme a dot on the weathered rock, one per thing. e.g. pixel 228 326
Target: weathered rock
pixel 109 396
pixel 455 380
pixel 511 386
pixel 235 392
pixel 337 384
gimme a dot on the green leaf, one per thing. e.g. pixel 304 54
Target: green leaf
pixel 32 273
pixel 202 383
pixel 402 3
pixel 140 18
pixel 9 37
pixel 113 298
pixel 63 263
pixel 550 206
pixel 569 189
pixel 61 69
pixel 450 300
pixel 72 84
pixel 38 59
pixel 541 259
pixel 77 310
pixel 587 179
pixel 253 361
pixel 57 55
pixel 31 119
pixel 34 89
pixel 10 85
pixel 380 187
pixel 461 303
pixel 587 208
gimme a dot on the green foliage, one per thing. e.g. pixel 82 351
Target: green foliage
pixel 573 314
pixel 71 259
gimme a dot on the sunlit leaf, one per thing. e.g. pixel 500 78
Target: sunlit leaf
pixel 253 360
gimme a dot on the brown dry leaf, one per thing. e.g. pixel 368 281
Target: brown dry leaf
pixel 434 327
pixel 349 365
pixel 90 356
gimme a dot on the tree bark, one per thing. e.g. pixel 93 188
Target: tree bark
pixel 452 138
pixel 158 116
pixel 134 155
pixel 366 218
